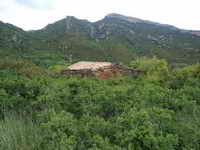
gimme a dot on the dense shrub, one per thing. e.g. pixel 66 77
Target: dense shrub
pixel 156 111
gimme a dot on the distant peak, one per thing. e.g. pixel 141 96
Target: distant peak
pixel 70 17
pixel 113 15
pixel 136 20
pixel 126 18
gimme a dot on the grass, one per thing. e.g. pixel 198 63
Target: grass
pixel 17 133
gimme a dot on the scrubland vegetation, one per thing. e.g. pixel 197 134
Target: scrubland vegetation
pixel 42 110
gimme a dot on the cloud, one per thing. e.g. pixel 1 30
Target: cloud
pixel 25 17
pixel 35 14
pixel 37 4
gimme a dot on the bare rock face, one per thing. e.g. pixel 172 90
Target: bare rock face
pixel 125 18
pixel 137 20
pixel 68 22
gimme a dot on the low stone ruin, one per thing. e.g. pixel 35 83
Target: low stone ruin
pixel 101 70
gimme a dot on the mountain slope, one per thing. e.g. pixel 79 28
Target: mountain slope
pixel 115 38
pixel 10 36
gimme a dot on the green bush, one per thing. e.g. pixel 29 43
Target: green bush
pixel 157 110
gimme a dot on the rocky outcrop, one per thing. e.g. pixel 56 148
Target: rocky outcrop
pixel 125 18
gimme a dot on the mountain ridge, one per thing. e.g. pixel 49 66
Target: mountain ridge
pixel 114 38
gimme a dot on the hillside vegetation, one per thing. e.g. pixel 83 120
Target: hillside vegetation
pixel 42 110
pixel 115 38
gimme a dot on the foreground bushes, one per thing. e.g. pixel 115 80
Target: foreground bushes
pixel 156 111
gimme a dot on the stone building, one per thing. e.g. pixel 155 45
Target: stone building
pixel 101 70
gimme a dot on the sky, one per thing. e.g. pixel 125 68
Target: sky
pixel 36 14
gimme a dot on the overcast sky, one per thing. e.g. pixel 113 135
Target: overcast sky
pixel 35 14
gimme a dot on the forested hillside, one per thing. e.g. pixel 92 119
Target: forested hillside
pixel 115 38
